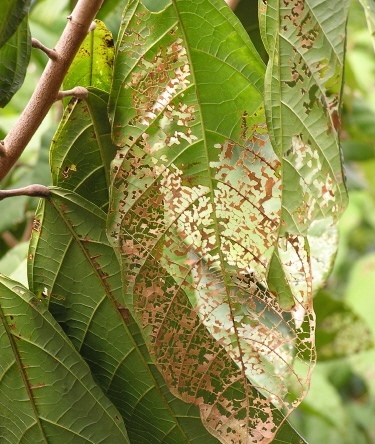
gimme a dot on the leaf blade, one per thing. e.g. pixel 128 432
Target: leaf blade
pixel 12 13
pixel 72 231
pixel 183 130
pixel 34 346
pixel 15 54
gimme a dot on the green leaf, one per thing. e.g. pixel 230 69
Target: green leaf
pixel 340 331
pixel 81 149
pixel 15 55
pixel 92 66
pixel 196 179
pixel 369 8
pixel 47 393
pixel 306 43
pixel 247 12
pixel 110 13
pixel 303 84
pixel 359 294
pixel 82 287
pixel 13 258
pixel 12 12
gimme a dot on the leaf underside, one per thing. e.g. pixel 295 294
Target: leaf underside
pixel 210 222
pixel 14 56
pixel 305 42
pixel 47 393
pixel 12 12
pixel 82 288
pixel 195 215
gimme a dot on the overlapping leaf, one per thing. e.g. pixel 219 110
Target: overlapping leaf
pixel 12 12
pixel 47 393
pixel 305 42
pixel 195 215
pixel 82 287
pixel 92 66
pixel 14 56
pixel 82 150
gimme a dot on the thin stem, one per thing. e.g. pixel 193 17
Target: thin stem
pixel 79 92
pixel 31 190
pixel 35 43
pixel 49 84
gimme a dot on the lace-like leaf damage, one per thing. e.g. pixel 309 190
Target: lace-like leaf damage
pixel 196 212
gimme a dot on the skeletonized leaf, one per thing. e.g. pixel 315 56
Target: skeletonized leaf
pixel 305 42
pixel 82 287
pixel 14 56
pixel 82 150
pixel 47 393
pixel 195 216
pixel 92 66
pixel 12 12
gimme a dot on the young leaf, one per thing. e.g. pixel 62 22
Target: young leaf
pixel 14 56
pixel 82 150
pixel 92 66
pixel 47 393
pixel 195 215
pixel 82 287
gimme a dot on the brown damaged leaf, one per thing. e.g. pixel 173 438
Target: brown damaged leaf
pixel 305 42
pixel 195 218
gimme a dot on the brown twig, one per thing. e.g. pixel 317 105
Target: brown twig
pixel 79 92
pixel 31 190
pixel 47 89
pixel 52 54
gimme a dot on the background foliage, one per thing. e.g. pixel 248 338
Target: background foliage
pixel 341 403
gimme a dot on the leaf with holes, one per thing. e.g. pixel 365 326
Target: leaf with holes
pixel 195 216
pixel 82 288
pixel 305 42
pixel 47 393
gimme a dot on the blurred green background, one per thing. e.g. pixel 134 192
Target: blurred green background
pixel 340 407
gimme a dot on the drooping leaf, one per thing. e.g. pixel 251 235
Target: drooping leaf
pixel 195 215
pixel 14 56
pixel 92 66
pixel 12 12
pixel 82 288
pixel 82 150
pixel 305 43
pixel 47 393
